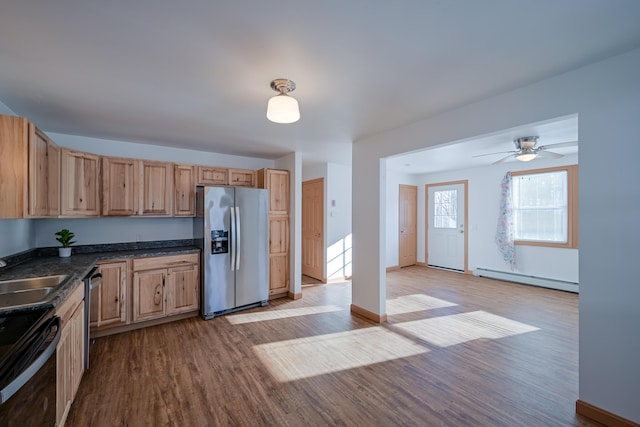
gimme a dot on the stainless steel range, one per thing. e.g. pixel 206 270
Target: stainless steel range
pixel 28 342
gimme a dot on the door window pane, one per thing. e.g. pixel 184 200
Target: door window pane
pixel 445 207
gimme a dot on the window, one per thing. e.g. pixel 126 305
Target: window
pixel 545 207
pixel 445 205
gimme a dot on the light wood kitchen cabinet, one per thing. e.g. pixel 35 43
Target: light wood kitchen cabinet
pixel 184 201
pixel 30 173
pixel 155 194
pixel 165 285
pixel 183 290
pixel 208 175
pixel 69 352
pixel 80 183
pixel 108 301
pixel 242 178
pixel 120 186
pixel 277 182
pixel 149 296
pixel 44 175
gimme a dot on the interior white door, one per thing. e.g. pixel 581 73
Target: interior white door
pixel 446 228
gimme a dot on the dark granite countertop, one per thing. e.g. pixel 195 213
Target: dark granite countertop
pixel 45 262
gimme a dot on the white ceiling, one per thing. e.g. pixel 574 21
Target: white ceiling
pixel 196 73
pixel 491 148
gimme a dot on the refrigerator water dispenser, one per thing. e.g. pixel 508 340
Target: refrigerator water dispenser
pixel 219 241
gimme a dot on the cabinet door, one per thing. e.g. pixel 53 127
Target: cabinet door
pixel 184 202
pixel 278 274
pixel 14 137
pixel 149 300
pixel 77 337
pixel 53 178
pixel 156 178
pixel 119 186
pixel 278 185
pixel 242 178
pixel 108 301
pixel 208 175
pixel 38 166
pixel 183 290
pixel 64 383
pixel 80 194
pixel 44 175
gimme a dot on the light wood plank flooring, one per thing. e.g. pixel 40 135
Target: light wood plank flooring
pixel 457 350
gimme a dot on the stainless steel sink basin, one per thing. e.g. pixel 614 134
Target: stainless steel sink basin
pixel 32 291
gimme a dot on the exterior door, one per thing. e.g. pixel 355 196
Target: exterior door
pixel 446 226
pixel 408 225
pixel 313 228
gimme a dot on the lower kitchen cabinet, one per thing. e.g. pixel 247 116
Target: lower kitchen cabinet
pixel 108 301
pixel 165 285
pixel 70 352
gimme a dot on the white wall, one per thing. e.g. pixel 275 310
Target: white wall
pixel 605 96
pixel 484 204
pixel 338 251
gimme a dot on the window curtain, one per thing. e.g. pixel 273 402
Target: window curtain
pixel 505 230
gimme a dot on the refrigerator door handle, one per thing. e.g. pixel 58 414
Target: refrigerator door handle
pixel 232 226
pixel 238 239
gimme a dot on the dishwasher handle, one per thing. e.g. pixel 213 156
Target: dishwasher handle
pixel 95 280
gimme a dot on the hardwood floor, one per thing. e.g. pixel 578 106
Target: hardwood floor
pixel 457 350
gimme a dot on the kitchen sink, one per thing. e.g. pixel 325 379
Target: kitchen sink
pixel 32 291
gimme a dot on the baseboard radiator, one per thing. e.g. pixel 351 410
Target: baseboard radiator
pixel 527 279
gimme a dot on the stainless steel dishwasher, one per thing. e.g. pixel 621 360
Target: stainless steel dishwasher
pixel 91 281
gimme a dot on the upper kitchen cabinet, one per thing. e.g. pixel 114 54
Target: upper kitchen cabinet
pixel 44 174
pixel 80 184
pixel 155 194
pixel 119 186
pixel 30 173
pixel 242 178
pixel 210 175
pixel 277 182
pixel 184 201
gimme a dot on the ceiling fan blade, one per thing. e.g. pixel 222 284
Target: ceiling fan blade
pixel 492 154
pixel 559 145
pixel 549 154
pixel 504 159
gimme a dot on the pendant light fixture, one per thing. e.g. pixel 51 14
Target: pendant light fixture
pixel 283 108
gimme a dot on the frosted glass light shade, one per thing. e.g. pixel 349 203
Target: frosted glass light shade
pixel 283 109
pixel 526 157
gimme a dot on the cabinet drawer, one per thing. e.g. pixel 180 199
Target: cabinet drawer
pixel 168 261
pixel 69 305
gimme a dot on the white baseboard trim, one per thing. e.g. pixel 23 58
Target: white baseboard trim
pixel 544 282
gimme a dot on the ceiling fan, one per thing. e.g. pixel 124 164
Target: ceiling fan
pixel 527 150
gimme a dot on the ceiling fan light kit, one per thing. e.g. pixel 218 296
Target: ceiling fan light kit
pixel 526 146
pixel 283 108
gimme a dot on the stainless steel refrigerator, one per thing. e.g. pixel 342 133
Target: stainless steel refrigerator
pixel 232 229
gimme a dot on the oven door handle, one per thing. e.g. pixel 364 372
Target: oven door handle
pixel 27 374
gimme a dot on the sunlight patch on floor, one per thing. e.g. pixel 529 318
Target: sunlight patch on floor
pixel 310 356
pixel 239 319
pixel 445 331
pixel 415 302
